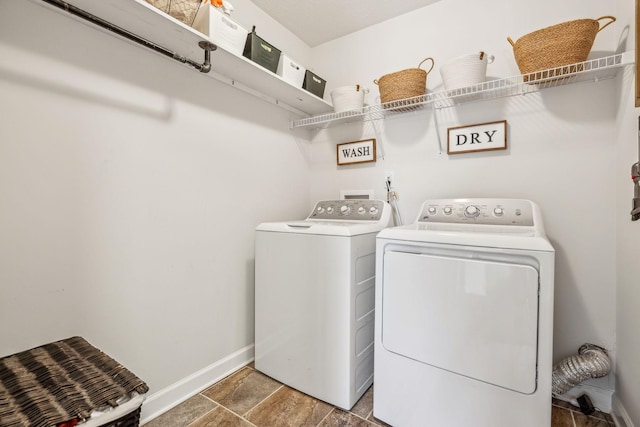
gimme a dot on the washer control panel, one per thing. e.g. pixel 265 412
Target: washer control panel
pixel 478 211
pixel 348 210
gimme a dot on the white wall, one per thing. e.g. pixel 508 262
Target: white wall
pixel 628 233
pixel 130 188
pixel 562 144
pixel 130 185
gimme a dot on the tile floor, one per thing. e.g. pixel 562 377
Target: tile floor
pixel 248 398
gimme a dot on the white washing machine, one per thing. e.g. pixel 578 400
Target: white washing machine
pixel 314 297
pixel 464 317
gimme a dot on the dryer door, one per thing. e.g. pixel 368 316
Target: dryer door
pixel 472 317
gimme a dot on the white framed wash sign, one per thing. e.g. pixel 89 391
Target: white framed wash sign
pixel 478 137
pixel 363 151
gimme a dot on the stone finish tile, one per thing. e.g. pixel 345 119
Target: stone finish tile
pixel 603 416
pixel 242 391
pixel 561 417
pixel 563 404
pixel 364 406
pixel 265 402
pixel 289 408
pixel 338 417
pixel 221 417
pixel 576 411
pixel 378 422
pixel 184 413
pixel 588 421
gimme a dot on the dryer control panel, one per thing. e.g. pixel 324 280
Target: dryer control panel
pixel 478 211
pixel 348 210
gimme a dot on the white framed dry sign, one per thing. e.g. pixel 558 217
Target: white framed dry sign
pixel 363 151
pixel 479 137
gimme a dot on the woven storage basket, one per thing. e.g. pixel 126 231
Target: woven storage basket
pixel 562 44
pixel 347 98
pixel 65 382
pixel 404 84
pixel 183 10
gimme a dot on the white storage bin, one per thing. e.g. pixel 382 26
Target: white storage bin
pixel 290 70
pixel 465 70
pixel 221 29
pixel 347 98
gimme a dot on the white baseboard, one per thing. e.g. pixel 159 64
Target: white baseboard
pixel 600 397
pixel 165 399
pixel 620 415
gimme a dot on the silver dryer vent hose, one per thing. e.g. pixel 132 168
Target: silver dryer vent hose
pixel 591 362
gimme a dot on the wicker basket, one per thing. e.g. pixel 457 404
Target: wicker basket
pixel 132 419
pixel 183 10
pixel 405 84
pixel 65 382
pixel 562 44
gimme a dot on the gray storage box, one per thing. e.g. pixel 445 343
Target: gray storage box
pixel 261 52
pixel 314 84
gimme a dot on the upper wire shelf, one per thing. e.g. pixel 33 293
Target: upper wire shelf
pixel 591 70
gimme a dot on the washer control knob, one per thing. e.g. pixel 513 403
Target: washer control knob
pixel 344 210
pixel 432 210
pixel 498 211
pixel 330 210
pixel 471 211
pixel 320 209
pixel 362 210
pixel 373 210
pixel 447 210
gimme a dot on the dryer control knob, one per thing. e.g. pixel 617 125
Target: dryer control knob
pixel 498 211
pixel 447 210
pixel 471 211
pixel 330 210
pixel 362 210
pixel 432 210
pixel 320 209
pixel 344 210
pixel 373 210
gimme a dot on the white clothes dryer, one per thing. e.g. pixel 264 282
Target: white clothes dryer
pixel 314 299
pixel 464 317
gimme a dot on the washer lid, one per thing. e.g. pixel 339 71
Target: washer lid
pixel 335 228
pixel 338 218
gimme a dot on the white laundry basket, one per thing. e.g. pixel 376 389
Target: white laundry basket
pixel 347 98
pixel 465 70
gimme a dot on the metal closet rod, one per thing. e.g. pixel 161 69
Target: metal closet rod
pixel 205 67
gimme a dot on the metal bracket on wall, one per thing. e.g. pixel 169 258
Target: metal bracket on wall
pixel 208 47
pixel 379 144
pixel 437 126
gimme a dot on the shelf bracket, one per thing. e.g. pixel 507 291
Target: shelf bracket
pixel 437 129
pixel 379 142
pixel 208 47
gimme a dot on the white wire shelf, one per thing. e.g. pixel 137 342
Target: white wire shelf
pixel 588 71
